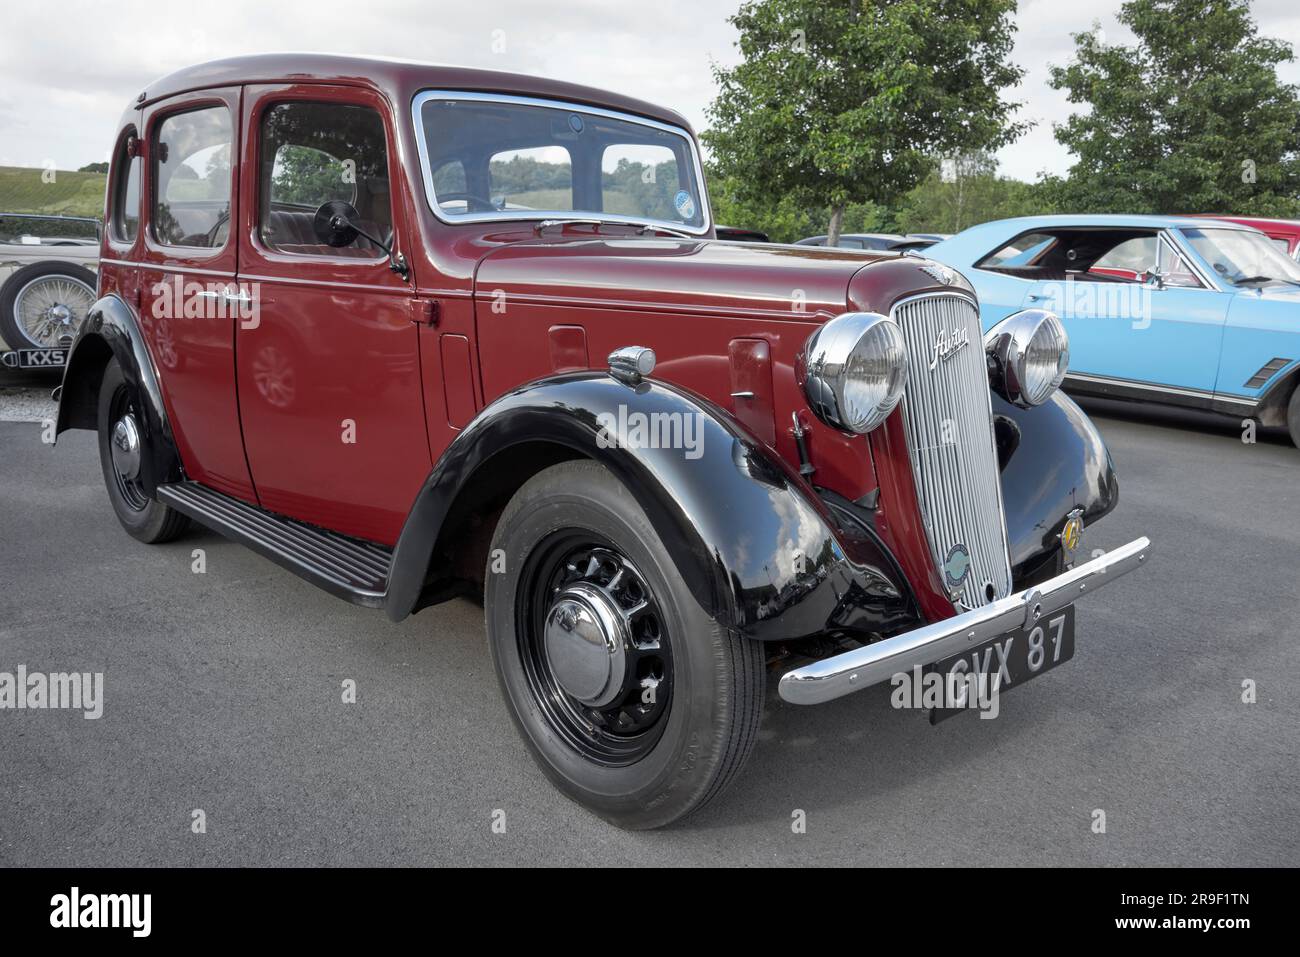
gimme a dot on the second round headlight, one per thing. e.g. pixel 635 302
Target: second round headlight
pixel 853 369
pixel 1031 354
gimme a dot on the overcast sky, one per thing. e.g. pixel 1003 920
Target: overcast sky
pixel 67 70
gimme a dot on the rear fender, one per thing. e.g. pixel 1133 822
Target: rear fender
pixel 110 333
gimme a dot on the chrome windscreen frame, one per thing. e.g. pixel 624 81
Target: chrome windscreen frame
pixel 516 215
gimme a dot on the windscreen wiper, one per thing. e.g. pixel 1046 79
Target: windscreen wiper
pixel 546 224
pixel 1242 280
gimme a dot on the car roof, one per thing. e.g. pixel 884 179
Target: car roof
pixel 978 241
pixel 399 79
pixel 1023 224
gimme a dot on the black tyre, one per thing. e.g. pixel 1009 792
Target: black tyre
pixel 121 451
pixel 44 304
pixel 632 698
pixel 1293 417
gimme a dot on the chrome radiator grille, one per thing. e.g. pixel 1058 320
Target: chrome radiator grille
pixel 949 428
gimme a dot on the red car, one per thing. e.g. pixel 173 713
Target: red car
pixel 416 332
pixel 1285 233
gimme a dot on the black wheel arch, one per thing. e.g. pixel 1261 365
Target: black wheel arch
pixel 112 332
pixel 1276 400
pixel 1053 461
pixel 756 545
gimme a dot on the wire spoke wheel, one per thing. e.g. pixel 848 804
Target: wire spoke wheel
pixel 51 308
pixel 595 651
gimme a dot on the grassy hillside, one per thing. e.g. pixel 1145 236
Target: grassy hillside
pixel 73 194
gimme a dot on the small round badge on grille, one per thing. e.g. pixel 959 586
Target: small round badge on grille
pixel 956 566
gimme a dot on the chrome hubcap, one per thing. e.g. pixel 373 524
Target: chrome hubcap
pixel 125 444
pixel 586 644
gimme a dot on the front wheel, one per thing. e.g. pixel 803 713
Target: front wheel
pixel 634 700
pixel 1293 416
pixel 122 451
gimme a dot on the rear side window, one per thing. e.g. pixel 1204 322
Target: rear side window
pixel 191 176
pixel 1019 252
pixel 124 221
pixel 314 153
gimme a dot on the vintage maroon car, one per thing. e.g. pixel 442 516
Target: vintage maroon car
pixel 416 332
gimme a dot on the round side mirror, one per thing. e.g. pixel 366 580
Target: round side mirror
pixel 333 223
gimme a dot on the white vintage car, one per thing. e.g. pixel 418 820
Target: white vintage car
pixel 48 275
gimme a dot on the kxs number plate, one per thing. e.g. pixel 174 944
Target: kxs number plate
pixel 35 358
pixel 1011 659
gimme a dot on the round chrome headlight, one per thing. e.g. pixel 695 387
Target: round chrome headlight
pixel 1031 354
pixel 853 369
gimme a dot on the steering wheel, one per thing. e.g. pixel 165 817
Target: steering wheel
pixel 468 198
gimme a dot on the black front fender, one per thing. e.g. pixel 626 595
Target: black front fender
pixel 758 549
pixel 112 332
pixel 1053 461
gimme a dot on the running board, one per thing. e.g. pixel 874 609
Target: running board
pixel 353 570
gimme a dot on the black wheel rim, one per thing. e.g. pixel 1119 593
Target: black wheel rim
pixel 130 489
pixel 626 730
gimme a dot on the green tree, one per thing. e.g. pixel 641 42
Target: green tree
pixel 967 191
pixel 94 168
pixel 838 102
pixel 1191 118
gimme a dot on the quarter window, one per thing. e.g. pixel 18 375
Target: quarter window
pixel 1023 251
pixel 314 153
pixel 125 220
pixel 191 176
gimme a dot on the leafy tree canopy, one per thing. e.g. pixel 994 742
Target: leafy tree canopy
pixel 840 102
pixel 1190 118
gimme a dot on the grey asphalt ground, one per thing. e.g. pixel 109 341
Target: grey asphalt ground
pixel 222 693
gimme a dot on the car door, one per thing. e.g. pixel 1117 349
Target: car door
pixel 1163 328
pixel 188 259
pixel 328 361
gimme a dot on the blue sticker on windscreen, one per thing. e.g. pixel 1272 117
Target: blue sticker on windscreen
pixel 685 204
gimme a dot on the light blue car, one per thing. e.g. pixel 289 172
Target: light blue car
pixel 1194 312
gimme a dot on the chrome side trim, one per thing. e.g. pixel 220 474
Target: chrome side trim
pixel 517 215
pixel 863 667
pixel 1153 390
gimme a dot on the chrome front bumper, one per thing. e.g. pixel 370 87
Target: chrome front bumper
pixel 874 663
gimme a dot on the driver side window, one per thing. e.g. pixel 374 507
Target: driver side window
pixel 314 153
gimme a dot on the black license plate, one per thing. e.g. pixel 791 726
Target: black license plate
pixel 35 358
pixel 1011 659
